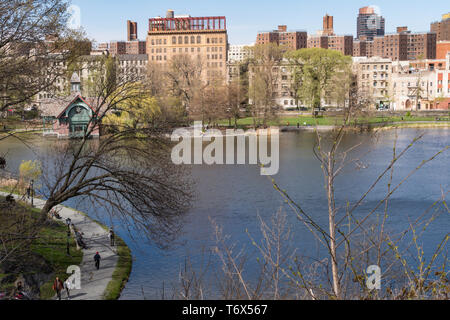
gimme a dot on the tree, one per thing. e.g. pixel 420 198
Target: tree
pixel 35 43
pixel 128 171
pixel 263 80
pixel 319 70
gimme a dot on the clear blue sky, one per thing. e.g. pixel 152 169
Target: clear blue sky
pixel 105 20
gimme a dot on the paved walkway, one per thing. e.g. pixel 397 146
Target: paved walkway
pixel 93 281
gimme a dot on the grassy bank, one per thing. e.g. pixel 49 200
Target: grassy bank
pixel 123 268
pixel 331 121
pixel 45 257
pixel 121 273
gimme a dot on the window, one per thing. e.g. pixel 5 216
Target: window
pixel 192 39
pixel 180 40
pixel 199 39
pixel 174 40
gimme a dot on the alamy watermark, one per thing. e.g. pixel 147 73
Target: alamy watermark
pixel 373 281
pixel 74 21
pixel 74 281
pixel 191 149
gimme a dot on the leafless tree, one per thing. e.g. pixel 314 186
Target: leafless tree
pixel 128 171
pixel 35 44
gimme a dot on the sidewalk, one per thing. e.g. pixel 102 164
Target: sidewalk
pixel 93 281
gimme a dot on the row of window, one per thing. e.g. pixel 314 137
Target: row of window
pixel 186 40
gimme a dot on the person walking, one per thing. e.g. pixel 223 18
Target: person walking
pixel 58 286
pixel 97 260
pixel 111 237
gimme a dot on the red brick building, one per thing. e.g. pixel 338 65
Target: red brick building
pixel 294 40
pixel 442 28
pixel 442 48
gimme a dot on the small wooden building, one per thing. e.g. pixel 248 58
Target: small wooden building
pixel 69 117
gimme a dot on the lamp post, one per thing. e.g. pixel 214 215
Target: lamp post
pixel 68 222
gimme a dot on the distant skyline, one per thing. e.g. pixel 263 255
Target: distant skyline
pixel 105 20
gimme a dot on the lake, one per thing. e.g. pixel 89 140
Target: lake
pixel 234 196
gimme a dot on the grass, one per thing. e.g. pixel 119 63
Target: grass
pixel 52 246
pixel 329 121
pixel 49 247
pixel 121 273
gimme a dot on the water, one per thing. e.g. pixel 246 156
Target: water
pixel 234 197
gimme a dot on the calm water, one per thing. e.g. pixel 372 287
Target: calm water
pixel 234 196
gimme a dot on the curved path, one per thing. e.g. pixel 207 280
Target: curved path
pixel 93 281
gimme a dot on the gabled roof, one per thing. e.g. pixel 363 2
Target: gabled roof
pixel 55 107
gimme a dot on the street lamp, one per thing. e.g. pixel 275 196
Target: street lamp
pixel 68 222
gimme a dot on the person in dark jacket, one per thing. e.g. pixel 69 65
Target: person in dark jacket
pixel 111 237
pixel 58 286
pixel 97 260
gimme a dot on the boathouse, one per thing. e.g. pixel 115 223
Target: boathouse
pixel 71 116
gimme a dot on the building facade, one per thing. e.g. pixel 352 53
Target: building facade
pixel 203 38
pixel 442 28
pixel 293 40
pixel 239 53
pixel 373 77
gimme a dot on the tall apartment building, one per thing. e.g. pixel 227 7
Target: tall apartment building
pixel 294 40
pixel 369 23
pixel 203 38
pixel 421 45
pixel 326 39
pixel 442 28
pixel 373 79
pixel 131 46
pixel 343 44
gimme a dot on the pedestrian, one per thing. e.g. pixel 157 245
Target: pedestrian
pixel 97 260
pixel 58 286
pixel 111 237
pixel 68 286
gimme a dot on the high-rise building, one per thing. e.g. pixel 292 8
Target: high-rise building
pixel 370 23
pixel 292 39
pixel 203 38
pixel 326 39
pixel 131 31
pixel 442 28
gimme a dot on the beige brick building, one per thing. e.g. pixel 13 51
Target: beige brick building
pixel 203 38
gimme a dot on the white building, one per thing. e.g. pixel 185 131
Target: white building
pixel 238 53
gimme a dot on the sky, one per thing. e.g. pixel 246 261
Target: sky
pixel 105 20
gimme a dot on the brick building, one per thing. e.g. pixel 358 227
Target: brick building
pixel 294 40
pixel 203 38
pixel 343 44
pixel 442 28
pixel 442 49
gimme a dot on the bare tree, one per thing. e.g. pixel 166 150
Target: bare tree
pixel 127 171
pixel 34 45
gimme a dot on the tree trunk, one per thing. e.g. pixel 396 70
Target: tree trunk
pixel 332 225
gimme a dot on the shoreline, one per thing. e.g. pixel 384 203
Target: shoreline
pixel 108 282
